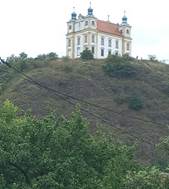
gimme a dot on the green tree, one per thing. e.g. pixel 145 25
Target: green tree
pixel 119 67
pixel 52 56
pixel 55 152
pixel 86 55
pixel 23 56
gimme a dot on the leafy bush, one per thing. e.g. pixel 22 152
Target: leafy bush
pixel 49 56
pixel 55 152
pixel 135 103
pixel 86 55
pixel 119 67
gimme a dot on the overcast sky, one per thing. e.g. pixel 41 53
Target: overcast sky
pixel 39 26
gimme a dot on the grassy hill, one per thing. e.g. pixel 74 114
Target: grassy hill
pixel 147 88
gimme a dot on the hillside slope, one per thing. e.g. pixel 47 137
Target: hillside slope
pixel 88 81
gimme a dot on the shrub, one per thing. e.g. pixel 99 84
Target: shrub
pixel 135 103
pixel 46 57
pixel 120 69
pixel 86 55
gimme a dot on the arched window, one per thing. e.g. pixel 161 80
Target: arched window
pixel 110 43
pixel 93 23
pixel 93 38
pixel 127 31
pixel 78 40
pixel 128 46
pixel 85 39
pixel 117 44
pixel 102 41
pixel 69 42
pixel 86 23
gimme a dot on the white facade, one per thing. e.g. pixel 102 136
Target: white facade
pixel 102 38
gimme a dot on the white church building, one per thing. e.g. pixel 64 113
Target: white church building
pixel 101 37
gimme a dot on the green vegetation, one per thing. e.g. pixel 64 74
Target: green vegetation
pixel 58 152
pixel 148 90
pixel 135 103
pixel 120 67
pixel 86 55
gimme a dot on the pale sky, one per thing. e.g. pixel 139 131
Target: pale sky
pixel 39 26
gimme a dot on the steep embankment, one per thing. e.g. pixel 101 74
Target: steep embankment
pixel 88 81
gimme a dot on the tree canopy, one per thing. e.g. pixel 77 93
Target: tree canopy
pixel 55 152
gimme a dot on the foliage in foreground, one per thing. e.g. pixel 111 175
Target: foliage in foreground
pixel 55 152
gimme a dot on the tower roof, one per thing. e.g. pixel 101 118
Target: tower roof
pixel 124 18
pixel 90 10
pixel 73 15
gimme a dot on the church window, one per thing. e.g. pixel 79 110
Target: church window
pixel 85 38
pixel 102 41
pixel 86 23
pixel 93 23
pixel 69 42
pixel 127 31
pixel 78 51
pixel 70 27
pixel 102 52
pixel 110 43
pixel 93 50
pixel 93 38
pixel 78 41
pixel 128 46
pixel 117 44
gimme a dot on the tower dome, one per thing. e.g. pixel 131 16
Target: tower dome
pixel 124 19
pixel 90 11
pixel 73 15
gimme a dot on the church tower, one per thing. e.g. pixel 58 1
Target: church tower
pixel 70 43
pixel 125 29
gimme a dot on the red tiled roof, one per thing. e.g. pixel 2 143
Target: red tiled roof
pixel 108 27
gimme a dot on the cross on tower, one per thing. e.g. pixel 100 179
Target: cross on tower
pixel 90 4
